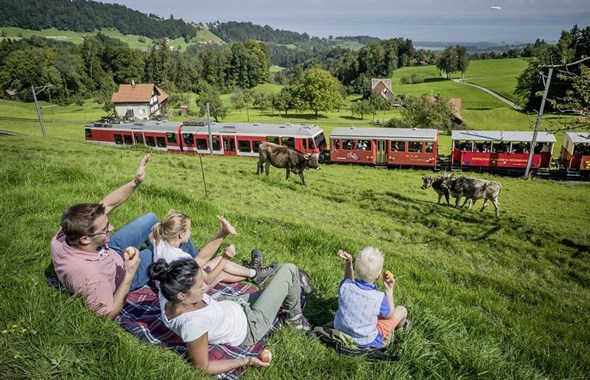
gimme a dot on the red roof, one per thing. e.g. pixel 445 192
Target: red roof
pixel 139 93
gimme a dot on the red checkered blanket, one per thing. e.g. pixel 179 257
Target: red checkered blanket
pixel 141 317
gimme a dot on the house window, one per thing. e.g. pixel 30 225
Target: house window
pixel 150 141
pixel 161 142
pixel 244 146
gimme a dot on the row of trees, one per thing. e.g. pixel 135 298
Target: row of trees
pixel 88 16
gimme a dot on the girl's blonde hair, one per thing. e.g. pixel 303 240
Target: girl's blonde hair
pixel 368 264
pixel 171 225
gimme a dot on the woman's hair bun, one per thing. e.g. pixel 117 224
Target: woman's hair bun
pixel 158 270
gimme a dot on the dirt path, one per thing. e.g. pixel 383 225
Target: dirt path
pixel 491 93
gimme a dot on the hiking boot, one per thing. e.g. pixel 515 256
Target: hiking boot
pixel 263 274
pixel 304 281
pixel 299 323
pixel 256 259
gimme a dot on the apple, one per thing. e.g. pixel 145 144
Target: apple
pixel 265 356
pixel 130 251
pixel 388 275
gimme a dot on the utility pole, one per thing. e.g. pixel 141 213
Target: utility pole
pixel 209 128
pixel 37 90
pixel 538 123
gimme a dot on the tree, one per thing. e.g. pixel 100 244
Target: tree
pixel 216 108
pixel 361 108
pixel 448 63
pixel 462 59
pixel 317 90
pixel 263 101
pixel 427 111
pixel 576 99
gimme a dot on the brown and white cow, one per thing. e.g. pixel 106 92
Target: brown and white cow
pixel 281 156
pixel 473 189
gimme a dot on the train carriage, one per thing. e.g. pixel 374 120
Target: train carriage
pixel 243 139
pixel 500 150
pixel 158 135
pixel 384 146
pixel 229 139
pixel 575 152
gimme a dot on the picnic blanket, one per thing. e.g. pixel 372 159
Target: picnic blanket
pixel 141 317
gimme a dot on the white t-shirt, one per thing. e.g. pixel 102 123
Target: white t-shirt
pixel 163 250
pixel 225 321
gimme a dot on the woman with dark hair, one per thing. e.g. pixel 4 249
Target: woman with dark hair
pixel 234 320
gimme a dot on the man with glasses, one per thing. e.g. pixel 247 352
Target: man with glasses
pixel 92 263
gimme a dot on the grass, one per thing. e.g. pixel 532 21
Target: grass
pixel 489 298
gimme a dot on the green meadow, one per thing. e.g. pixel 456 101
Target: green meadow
pixel 491 298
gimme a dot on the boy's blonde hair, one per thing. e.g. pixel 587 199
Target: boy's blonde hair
pixel 368 264
pixel 171 225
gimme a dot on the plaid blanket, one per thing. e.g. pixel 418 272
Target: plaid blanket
pixel 141 317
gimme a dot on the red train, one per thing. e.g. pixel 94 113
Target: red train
pixel 501 151
pixel 228 139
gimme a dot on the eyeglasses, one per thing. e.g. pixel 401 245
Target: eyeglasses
pixel 105 231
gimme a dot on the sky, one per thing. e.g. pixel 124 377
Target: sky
pixel 497 21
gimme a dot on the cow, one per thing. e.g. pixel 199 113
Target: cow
pixel 281 156
pixel 438 184
pixel 473 189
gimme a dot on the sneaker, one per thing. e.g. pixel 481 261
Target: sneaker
pixel 305 283
pixel 407 325
pixel 299 323
pixel 256 259
pixel 263 274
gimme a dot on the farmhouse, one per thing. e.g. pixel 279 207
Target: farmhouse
pixel 140 101
pixel 455 104
pixel 381 86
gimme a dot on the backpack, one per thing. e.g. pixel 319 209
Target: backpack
pixel 344 344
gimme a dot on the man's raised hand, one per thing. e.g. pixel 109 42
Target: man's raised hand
pixel 140 173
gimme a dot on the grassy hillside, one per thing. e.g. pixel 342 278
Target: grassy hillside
pixel 498 75
pixel 489 298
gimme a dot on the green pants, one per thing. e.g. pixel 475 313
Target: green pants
pixel 261 308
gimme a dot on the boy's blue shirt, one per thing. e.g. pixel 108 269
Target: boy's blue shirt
pixel 383 311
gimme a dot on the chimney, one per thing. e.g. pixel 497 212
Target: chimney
pixel 132 83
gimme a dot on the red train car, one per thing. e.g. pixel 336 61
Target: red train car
pixel 384 146
pixel 229 139
pixel 500 150
pixel 575 152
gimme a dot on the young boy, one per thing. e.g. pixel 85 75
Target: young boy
pixel 365 313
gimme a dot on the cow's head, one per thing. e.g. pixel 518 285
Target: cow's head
pixel 426 182
pixel 313 161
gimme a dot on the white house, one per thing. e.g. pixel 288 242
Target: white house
pixel 140 101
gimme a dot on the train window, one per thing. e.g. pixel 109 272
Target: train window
pixel 88 132
pixel 320 140
pixel 304 144
pixel 481 147
pixel 429 147
pixel 272 139
pixel 415 146
pixel 216 143
pixel 244 146
pixel 336 144
pixel 397 146
pixel 138 138
pixel 128 139
pixel 501 148
pixel 288 141
pixel 348 144
pixel 150 141
pixel 171 137
pixel 187 138
pixel 363 145
pixel 160 142
pixel 118 139
pixel 202 144
pixel 310 143
pixel 256 144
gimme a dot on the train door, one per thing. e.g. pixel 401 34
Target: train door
pixel 229 146
pixel 381 152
